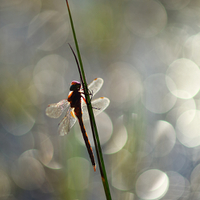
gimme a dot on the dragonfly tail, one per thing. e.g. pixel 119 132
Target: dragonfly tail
pixel 87 142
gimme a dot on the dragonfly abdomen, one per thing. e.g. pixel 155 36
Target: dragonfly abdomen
pixel 87 142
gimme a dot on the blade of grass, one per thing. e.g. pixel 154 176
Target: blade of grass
pixel 91 114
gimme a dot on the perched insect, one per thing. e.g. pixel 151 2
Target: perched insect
pixel 75 107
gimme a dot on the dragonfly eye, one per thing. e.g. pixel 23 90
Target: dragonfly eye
pixel 75 85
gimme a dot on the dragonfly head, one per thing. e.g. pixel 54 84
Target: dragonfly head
pixel 75 85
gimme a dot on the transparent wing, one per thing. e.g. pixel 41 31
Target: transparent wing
pixel 99 105
pixel 95 85
pixel 67 122
pixel 55 110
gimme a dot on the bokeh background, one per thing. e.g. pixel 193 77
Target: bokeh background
pixel 147 52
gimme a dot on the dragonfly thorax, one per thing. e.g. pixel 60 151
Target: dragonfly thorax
pixel 74 98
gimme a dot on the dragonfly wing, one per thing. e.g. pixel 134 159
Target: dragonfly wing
pixel 95 85
pixel 67 122
pixel 55 110
pixel 99 105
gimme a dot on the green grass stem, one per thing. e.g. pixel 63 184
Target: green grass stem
pixel 91 114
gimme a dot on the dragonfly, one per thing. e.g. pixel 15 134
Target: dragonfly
pixel 76 109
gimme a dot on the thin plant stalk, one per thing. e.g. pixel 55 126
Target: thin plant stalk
pixel 91 114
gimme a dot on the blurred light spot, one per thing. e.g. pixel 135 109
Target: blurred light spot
pixel 145 18
pixel 118 139
pixel 96 190
pixel 195 154
pixel 41 27
pixel 78 170
pixel 144 149
pixel 45 147
pixel 105 128
pixel 5 185
pixel 182 105
pixel 188 128
pixel 192 47
pixel 164 138
pixel 35 96
pixel 33 153
pixel 48 82
pixel 24 77
pixel 120 175
pixel 152 184
pixel 49 75
pixel 19 12
pixel 178 159
pixel 169 43
pixel 98 29
pixel 175 4
pixel 17 120
pixel 28 173
pixel 26 141
pixel 25 81
pixel 14 48
pixel 177 186
pixel 186 76
pixel 158 99
pixel 195 178
pixel 53 164
pixel 45 158
pixel 60 6
pixel 125 83
pixel 187 190
pixel 128 196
